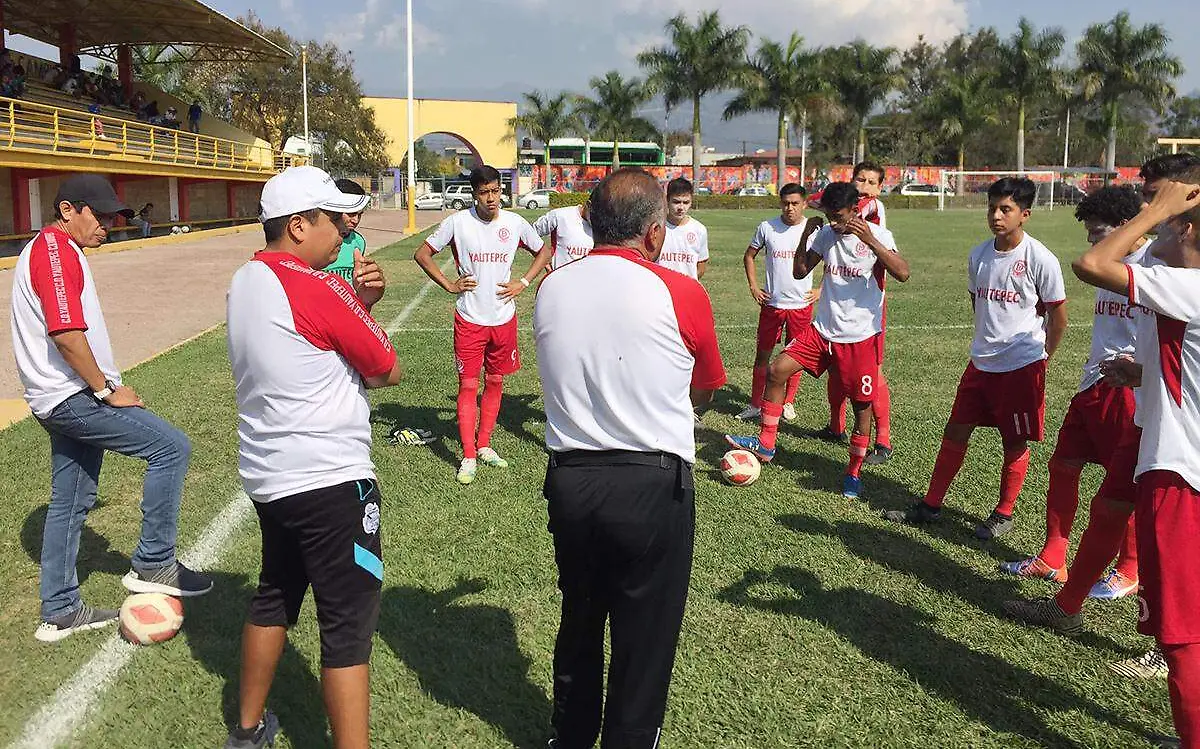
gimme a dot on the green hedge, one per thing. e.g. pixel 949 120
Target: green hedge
pixel 561 199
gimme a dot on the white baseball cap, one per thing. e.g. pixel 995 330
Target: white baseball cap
pixel 302 188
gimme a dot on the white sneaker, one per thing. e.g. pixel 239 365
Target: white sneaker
pixel 789 412
pixel 466 471
pixel 750 414
pixel 489 457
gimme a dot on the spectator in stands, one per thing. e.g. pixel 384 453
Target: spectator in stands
pixel 142 219
pixel 170 119
pixel 137 102
pixel 194 114
pixel 18 83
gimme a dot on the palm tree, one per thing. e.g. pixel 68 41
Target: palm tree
pixel 788 81
pixel 1117 62
pixel 1027 70
pixel 546 118
pixel 864 75
pixel 613 113
pixel 963 105
pixel 700 59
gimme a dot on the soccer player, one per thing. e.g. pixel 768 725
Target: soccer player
pixel 570 233
pixel 484 240
pixel 686 246
pixel 352 241
pixel 1099 419
pixel 845 335
pixel 1014 283
pixel 786 304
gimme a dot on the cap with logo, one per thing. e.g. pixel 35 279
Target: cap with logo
pixel 302 188
pixel 95 191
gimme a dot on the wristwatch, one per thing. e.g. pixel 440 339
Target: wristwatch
pixel 109 388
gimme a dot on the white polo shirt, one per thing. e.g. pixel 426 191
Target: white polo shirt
pixel 300 344
pixel 852 291
pixel 53 292
pixel 620 343
pixel 782 242
pixel 570 234
pixel 685 247
pixel 1115 323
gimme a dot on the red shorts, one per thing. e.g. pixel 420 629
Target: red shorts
pixel 1167 519
pixel 489 347
pixel 1097 422
pixel 1013 402
pixel 772 321
pixel 1119 466
pixel 855 366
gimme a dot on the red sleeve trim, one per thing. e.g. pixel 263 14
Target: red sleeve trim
pixel 1131 291
pixel 693 312
pixel 56 276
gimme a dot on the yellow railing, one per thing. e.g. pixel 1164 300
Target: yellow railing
pixel 30 126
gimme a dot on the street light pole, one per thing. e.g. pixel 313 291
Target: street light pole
pixel 803 144
pixel 304 85
pixel 411 192
pixel 1067 141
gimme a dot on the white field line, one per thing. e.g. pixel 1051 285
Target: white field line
pixel 394 326
pixel 68 709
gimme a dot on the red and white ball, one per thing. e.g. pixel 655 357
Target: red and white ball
pixel 147 618
pixel 740 467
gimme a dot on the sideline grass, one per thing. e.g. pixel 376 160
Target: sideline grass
pixel 810 621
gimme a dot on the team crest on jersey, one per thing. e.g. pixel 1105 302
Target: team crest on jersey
pixel 861 249
pixel 691 237
pixel 504 234
pixel 1019 268
pixel 458 364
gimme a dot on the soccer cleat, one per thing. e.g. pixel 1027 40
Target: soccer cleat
pixel 995 526
pixel 466 471
pixel 173 580
pixel 851 486
pixel 826 433
pixel 789 412
pixel 753 445
pixel 1044 612
pixel 1113 586
pixel 82 619
pixel 488 457
pixel 880 455
pixel 750 413
pixel 918 513
pixel 1034 567
pixel 262 735
pixel 1151 665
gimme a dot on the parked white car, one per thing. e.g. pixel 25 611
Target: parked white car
pixel 535 199
pixel 915 188
pixel 752 190
pixel 458 197
pixel 429 201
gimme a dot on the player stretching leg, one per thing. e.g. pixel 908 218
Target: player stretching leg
pixel 787 301
pixel 1013 281
pixel 484 240
pixel 844 336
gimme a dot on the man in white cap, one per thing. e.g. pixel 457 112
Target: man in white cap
pixel 74 389
pixel 304 349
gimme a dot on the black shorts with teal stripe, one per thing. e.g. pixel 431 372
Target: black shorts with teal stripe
pixel 328 538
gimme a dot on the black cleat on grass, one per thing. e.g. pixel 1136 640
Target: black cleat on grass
pixel 880 455
pixel 1044 612
pixel 262 735
pixel 995 526
pixel 827 434
pixel 918 513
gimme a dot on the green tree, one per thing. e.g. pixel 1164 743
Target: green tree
pixel 864 76
pixel 612 113
pixel 1119 62
pixel 1183 120
pixel 963 106
pixel 546 118
pixel 1027 71
pixel 700 59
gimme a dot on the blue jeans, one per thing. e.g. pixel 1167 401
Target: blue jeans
pixel 81 429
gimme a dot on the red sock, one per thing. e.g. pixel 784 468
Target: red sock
pixel 793 385
pixel 1183 683
pixel 1062 502
pixel 468 410
pixel 1012 478
pixel 771 413
pixel 758 386
pixel 837 404
pixel 881 406
pixel 1106 525
pixel 945 468
pixel 1127 558
pixel 859 444
pixel 489 407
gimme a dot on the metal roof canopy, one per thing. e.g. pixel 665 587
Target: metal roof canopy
pixel 189 27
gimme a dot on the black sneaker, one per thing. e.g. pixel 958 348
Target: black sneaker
pixel 918 513
pixel 81 619
pixel 1044 612
pixel 174 580
pixel 996 525
pixel 826 433
pixel 262 735
pixel 880 455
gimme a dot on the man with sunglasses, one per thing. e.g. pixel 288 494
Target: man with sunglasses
pixel 75 391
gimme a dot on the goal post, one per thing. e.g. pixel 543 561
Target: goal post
pixel 967 189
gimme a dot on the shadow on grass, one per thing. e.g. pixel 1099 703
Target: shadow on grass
pixel 1004 696
pixel 95 553
pixel 440 421
pixel 517 411
pixel 467 656
pixel 213 625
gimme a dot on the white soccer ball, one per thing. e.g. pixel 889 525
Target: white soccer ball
pixel 185 229
pixel 147 618
pixel 175 230
pixel 740 467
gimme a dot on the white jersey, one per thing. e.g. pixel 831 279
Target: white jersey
pixel 872 210
pixel 852 295
pixel 1168 348
pixel 685 247
pixel 1115 326
pixel 1011 292
pixel 485 250
pixel 570 234
pixel 781 243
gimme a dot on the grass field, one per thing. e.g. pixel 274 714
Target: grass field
pixel 810 621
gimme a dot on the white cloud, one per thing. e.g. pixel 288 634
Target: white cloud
pixel 380 25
